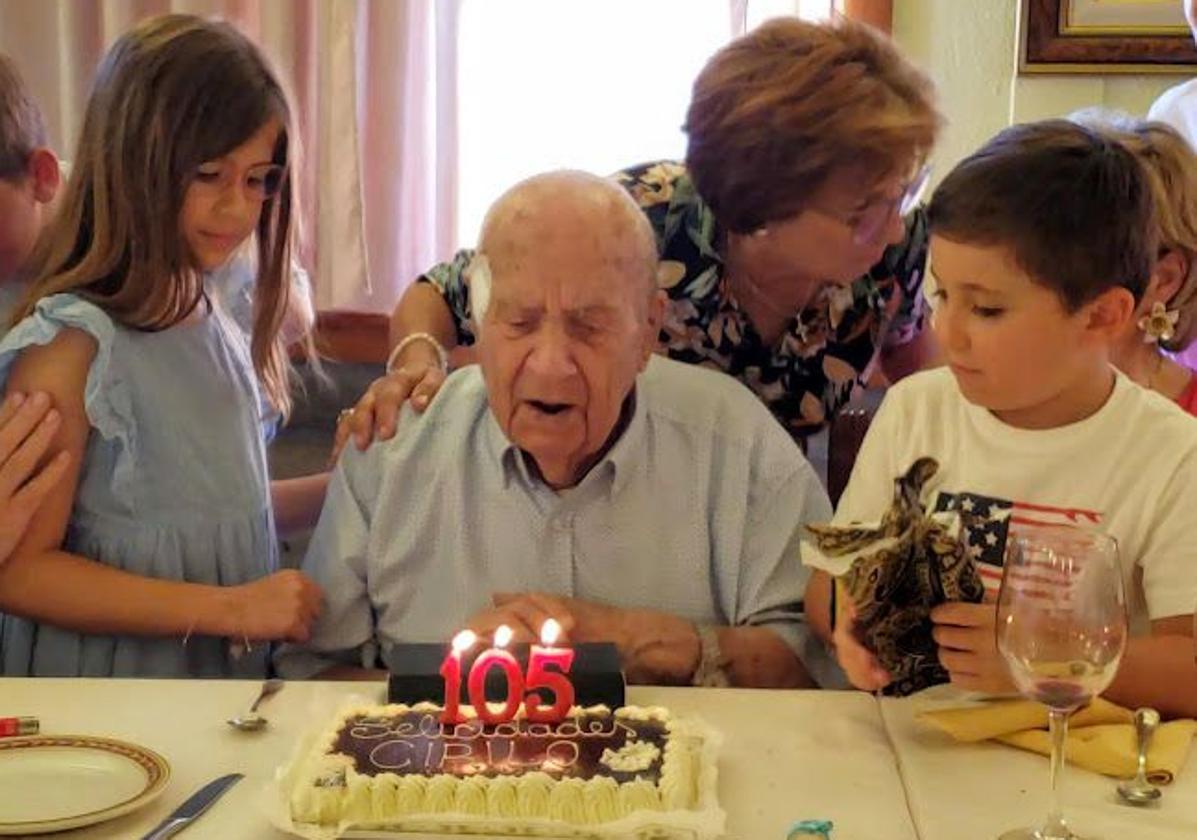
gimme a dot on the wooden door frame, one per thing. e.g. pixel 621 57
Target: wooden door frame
pixel 878 13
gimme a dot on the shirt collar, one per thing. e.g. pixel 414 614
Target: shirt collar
pixel 619 461
pixel 624 454
pixel 505 453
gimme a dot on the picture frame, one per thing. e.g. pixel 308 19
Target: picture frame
pixel 1100 36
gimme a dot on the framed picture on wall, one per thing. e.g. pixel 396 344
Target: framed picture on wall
pixel 1105 36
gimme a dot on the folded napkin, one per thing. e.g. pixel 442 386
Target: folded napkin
pixel 1101 737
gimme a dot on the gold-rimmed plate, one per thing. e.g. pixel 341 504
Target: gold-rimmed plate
pixel 57 782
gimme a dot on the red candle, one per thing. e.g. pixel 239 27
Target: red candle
pixel 557 681
pixel 497 657
pixel 451 671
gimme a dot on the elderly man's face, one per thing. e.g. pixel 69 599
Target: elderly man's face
pixel 567 331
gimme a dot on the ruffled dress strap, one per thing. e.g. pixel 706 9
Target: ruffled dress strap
pixel 106 396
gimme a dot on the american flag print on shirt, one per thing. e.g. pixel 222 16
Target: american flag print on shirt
pixel 989 521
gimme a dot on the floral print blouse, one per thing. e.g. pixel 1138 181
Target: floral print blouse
pixel 825 351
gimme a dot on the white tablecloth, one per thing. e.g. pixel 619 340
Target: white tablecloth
pixel 864 764
pixel 965 791
pixel 786 756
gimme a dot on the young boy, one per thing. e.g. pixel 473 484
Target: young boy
pixel 1040 248
pixel 29 181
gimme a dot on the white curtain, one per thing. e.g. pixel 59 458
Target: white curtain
pixel 375 84
pixel 375 100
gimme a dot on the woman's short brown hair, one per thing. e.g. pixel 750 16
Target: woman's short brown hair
pixel 777 111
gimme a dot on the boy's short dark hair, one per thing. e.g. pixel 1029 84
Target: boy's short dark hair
pixel 1073 206
pixel 22 128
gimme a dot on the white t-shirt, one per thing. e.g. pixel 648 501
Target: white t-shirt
pixel 1177 106
pixel 1129 470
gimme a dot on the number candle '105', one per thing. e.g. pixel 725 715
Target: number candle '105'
pixel 548 667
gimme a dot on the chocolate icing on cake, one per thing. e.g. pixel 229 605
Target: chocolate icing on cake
pixel 415 742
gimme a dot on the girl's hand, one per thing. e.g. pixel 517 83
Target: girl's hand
pixel 859 663
pixel 27 428
pixel 281 606
pixel 377 413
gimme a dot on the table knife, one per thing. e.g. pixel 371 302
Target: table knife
pixel 195 805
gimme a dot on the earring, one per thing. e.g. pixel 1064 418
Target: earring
pixel 1159 324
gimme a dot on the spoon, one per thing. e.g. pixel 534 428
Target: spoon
pixel 251 720
pixel 1139 791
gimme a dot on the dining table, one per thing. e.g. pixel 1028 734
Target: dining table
pixel 864 763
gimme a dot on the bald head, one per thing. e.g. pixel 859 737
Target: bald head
pixel 568 207
pixel 567 312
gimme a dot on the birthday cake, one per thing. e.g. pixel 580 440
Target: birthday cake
pixel 628 772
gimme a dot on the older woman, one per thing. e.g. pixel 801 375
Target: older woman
pixel 785 252
pixel 1168 312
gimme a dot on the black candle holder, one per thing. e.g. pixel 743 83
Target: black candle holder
pixel 415 674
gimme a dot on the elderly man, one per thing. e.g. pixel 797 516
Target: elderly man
pixel 573 474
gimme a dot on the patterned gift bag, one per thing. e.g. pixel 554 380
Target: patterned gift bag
pixel 900 569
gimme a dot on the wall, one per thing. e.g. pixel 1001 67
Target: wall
pixel 970 48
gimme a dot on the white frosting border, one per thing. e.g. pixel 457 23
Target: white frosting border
pixel 705 821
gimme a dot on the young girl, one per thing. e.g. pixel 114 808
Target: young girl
pixel 1167 316
pixel 156 555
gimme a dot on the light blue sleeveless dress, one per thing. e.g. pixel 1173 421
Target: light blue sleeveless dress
pixel 174 485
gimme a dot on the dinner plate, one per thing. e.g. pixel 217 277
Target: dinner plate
pixel 56 782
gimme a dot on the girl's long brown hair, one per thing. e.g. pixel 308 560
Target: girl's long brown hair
pixel 173 93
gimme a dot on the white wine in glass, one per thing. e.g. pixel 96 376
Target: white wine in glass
pixel 1061 627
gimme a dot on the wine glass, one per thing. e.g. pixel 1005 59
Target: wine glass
pixel 1061 627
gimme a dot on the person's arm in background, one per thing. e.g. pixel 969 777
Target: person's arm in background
pixel 297 502
pixel 336 560
pixel 422 309
pixel 436 307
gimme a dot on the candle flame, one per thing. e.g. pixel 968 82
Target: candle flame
pixel 464 640
pixel 550 631
pixel 503 636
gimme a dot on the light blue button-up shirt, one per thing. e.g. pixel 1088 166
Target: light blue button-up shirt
pixel 696 510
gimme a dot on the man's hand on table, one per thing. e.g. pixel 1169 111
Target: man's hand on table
pixel 654 646
pixel 524 613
